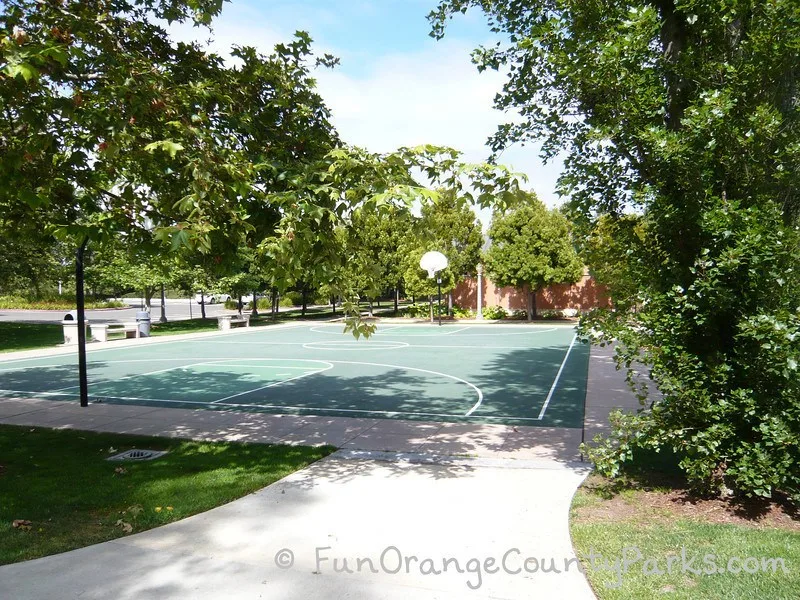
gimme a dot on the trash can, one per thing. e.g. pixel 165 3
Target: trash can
pixel 143 319
pixel 70 324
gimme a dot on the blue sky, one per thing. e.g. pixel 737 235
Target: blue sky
pixel 396 86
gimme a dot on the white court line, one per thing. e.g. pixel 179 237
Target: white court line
pixel 222 362
pixel 355 345
pixel 202 362
pixel 273 384
pixel 263 366
pixel 320 329
pixel 72 387
pixel 156 341
pixel 455 346
pixel 386 328
pixel 555 381
pixel 285 407
pixel 473 386
pixel 455 331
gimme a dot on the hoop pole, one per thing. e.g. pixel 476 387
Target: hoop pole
pixel 439 282
pixel 80 305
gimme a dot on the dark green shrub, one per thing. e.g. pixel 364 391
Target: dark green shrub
pixel 724 351
pixel 463 313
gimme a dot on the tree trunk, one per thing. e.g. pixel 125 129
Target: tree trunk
pixel 303 311
pixel 163 317
pixel 333 304
pixel 396 297
pixel 531 305
pixel 203 304
pixel 254 312
pixel 149 292
pixel 273 308
pixel 530 302
pixel 240 305
pixel 370 307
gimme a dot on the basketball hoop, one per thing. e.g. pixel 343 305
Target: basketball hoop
pixel 433 262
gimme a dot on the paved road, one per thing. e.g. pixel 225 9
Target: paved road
pixel 176 310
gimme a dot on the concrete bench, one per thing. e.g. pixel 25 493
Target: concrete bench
pixel 101 331
pixel 225 322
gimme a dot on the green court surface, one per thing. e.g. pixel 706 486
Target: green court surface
pixel 510 374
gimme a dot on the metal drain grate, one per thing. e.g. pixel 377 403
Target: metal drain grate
pixel 136 454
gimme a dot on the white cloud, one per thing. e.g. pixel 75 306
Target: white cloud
pixel 431 96
pixel 383 101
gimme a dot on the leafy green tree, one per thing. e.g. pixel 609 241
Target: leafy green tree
pixel 607 250
pixel 325 196
pixel 450 225
pixel 112 266
pixel 686 113
pixel 373 242
pixel 31 262
pixel 531 248
pixel 416 280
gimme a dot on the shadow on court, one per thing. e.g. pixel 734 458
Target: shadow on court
pixel 518 383
pixel 515 384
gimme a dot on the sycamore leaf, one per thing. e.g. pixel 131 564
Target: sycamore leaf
pixel 126 527
pixel 26 70
pixel 21 524
pixel 172 148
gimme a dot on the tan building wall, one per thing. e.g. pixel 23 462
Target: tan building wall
pixel 584 295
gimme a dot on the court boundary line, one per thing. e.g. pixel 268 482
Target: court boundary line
pixel 410 345
pixel 538 329
pixel 287 408
pixel 555 381
pixel 352 345
pixel 156 341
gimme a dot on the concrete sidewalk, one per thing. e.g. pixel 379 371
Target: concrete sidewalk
pixel 394 522
pixel 396 501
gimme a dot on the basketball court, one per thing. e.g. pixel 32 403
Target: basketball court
pixel 514 374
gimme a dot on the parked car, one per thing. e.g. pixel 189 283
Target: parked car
pixel 211 298
pixel 249 297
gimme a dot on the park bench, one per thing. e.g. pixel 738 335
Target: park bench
pixel 101 331
pixel 225 322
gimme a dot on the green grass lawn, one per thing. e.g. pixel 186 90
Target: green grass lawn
pixel 27 336
pixel 60 482
pixel 668 529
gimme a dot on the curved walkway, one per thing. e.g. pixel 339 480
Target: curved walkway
pixel 402 518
